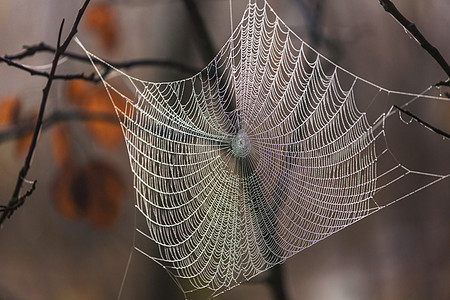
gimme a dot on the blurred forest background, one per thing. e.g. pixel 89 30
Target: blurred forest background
pixel 72 238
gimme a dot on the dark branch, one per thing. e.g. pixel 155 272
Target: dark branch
pixel 206 45
pixel 275 280
pixel 412 29
pixel 34 72
pixel 422 122
pixel 20 201
pixel 32 50
pixel 17 200
pixel 443 83
pixel 42 47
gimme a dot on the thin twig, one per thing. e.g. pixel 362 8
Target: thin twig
pixel 34 72
pixel 443 83
pixel 42 47
pixel 61 48
pixel 20 201
pixel 412 29
pixel 422 122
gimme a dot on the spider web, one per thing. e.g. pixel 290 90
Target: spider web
pixel 260 155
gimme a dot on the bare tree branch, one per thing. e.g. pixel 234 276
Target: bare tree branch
pixel 20 201
pixel 275 280
pixel 42 47
pixel 414 31
pixel 34 72
pixel 443 83
pixel 433 51
pixel 424 123
pixel 16 200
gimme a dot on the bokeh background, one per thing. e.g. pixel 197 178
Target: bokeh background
pixel 72 239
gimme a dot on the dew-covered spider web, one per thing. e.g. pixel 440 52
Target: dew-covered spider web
pixel 263 153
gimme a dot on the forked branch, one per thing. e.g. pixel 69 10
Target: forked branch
pixel 414 31
pixel 433 51
pixel 44 48
pixel 16 199
pixel 423 123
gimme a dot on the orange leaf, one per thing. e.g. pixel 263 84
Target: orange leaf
pixel 77 90
pixel 24 141
pixel 108 135
pixel 64 190
pixel 98 100
pixel 106 191
pixel 61 144
pixel 101 19
pixel 9 110
pixel 93 191
pixel 94 98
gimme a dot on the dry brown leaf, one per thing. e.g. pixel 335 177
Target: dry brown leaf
pixel 107 134
pixel 63 191
pixel 9 110
pixel 107 189
pixel 94 98
pixel 77 90
pixel 98 100
pixel 24 141
pixel 93 191
pixel 101 19
pixel 60 143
